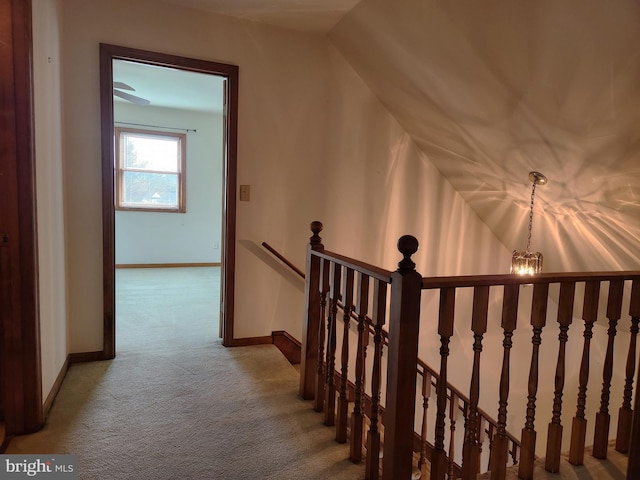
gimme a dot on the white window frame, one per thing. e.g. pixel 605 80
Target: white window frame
pixel 181 139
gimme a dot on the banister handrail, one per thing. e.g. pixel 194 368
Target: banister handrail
pixel 280 257
pixel 366 268
pixel 510 279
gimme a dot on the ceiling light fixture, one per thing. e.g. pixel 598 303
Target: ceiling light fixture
pixel 524 262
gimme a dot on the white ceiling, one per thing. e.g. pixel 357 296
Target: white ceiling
pixel 492 90
pixel 170 87
pixel 317 16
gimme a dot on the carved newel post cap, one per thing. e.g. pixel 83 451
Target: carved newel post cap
pixel 316 228
pixel 407 245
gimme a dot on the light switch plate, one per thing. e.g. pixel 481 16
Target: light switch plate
pixel 245 193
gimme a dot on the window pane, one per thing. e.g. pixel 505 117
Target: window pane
pixel 158 153
pixel 150 189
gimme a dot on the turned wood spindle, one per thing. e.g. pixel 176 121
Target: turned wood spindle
pixel 625 414
pixel 357 416
pixel 439 464
pixel 454 411
pixel 343 403
pixel 318 401
pixel 500 449
pixel 528 436
pixel 372 470
pixel 614 311
pixel 330 388
pixel 423 462
pixel 579 425
pixel 554 437
pixel 471 448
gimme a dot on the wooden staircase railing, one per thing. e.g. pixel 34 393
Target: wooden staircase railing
pixel 355 392
pixel 372 295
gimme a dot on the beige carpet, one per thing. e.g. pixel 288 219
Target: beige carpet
pixel 182 406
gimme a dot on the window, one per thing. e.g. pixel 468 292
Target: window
pixel 150 170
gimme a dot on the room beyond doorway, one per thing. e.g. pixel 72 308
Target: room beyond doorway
pixel 111 54
pixel 166 308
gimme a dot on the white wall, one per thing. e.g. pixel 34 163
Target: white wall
pixel 190 237
pixel 47 65
pixel 314 144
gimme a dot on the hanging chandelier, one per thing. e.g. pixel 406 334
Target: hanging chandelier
pixel 525 262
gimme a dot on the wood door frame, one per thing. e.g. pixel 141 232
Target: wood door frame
pixel 20 367
pixel 108 53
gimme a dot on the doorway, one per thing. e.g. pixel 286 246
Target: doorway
pixel 166 193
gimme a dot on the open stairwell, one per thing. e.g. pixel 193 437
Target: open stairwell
pixel 399 416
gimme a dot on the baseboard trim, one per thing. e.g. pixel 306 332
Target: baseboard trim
pixel 290 347
pixel 249 341
pixel 167 265
pixel 56 386
pixel 83 357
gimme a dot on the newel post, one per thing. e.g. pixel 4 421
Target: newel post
pixel 404 318
pixel 311 320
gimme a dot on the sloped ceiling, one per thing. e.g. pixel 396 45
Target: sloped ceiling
pixel 492 90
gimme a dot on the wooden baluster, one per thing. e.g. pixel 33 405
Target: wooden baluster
pixel 309 348
pixel 554 437
pixel 445 330
pixel 423 462
pixel 500 449
pixel 633 468
pixel 614 310
pixel 625 414
pixel 514 452
pixel 321 378
pixel 357 416
pixel 343 403
pixel 372 471
pixel 454 410
pixel 471 448
pixel 528 436
pixel 404 321
pixel 330 388
pixel 579 426
pixel 490 435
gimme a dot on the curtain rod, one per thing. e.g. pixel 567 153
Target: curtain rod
pixel 157 126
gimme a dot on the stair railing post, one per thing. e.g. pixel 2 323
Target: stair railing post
pixel 404 318
pixel 311 320
pixel 633 468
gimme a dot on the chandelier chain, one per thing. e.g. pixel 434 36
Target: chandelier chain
pixel 533 194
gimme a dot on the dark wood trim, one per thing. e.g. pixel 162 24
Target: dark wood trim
pixel 250 341
pixel 230 174
pixel 108 53
pixel 56 386
pixel 167 265
pixel 83 357
pixel 108 204
pixel 4 442
pixel 21 376
pixel 290 347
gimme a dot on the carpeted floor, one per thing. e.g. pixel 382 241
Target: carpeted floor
pixel 176 404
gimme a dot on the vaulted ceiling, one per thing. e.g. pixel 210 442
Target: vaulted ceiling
pixel 492 90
